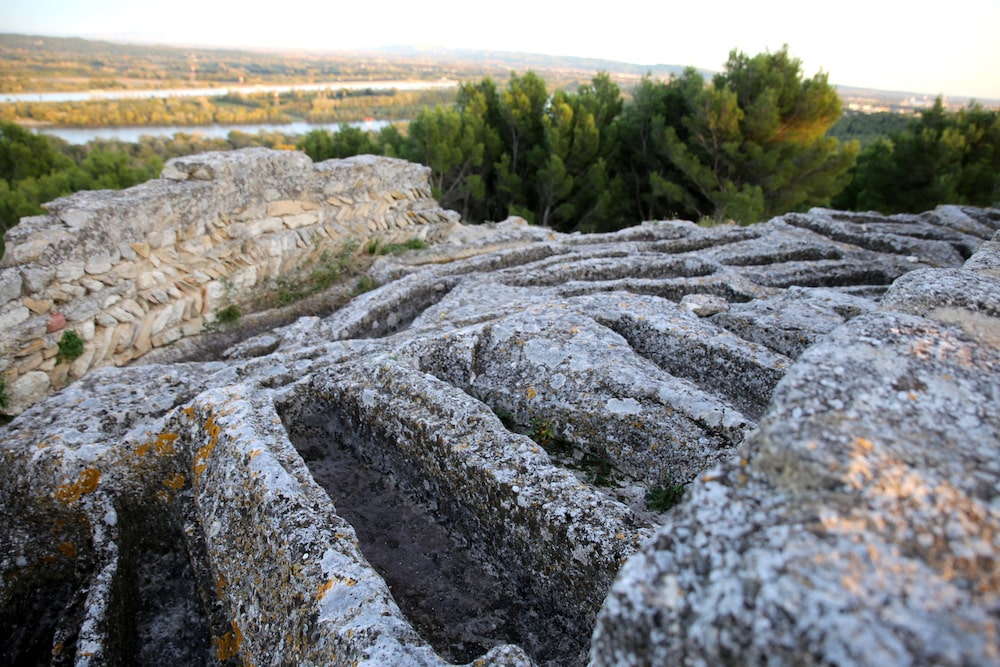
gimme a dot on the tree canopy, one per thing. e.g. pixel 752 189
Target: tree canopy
pixel 940 157
pixel 751 143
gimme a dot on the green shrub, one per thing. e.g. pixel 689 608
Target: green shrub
pixel 662 498
pixel 364 284
pixel 506 418
pixel 376 247
pixel 228 315
pixel 70 346
pixel 4 399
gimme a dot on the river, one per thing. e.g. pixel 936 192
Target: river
pixel 132 134
pixel 80 96
pixel 81 135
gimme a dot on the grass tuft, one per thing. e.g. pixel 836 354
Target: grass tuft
pixel 70 346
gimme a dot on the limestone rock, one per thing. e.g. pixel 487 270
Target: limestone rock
pixel 496 413
pixel 859 525
pixel 27 389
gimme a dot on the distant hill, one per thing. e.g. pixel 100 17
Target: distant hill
pixel 539 61
pixel 36 63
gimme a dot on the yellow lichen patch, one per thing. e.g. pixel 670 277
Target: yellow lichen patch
pixel 175 482
pixel 202 455
pixel 67 549
pixel 143 449
pixel 254 454
pixel 323 588
pixel 164 445
pixel 864 443
pixel 531 393
pixel 212 429
pixel 228 645
pixel 86 482
pixel 163 496
pixel 189 411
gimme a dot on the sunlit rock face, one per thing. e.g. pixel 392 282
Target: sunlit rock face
pixel 454 467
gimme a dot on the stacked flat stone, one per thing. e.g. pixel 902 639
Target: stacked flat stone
pixel 129 271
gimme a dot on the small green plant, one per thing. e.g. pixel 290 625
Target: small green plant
pixel 228 315
pixel 597 469
pixel 377 247
pixel 329 269
pixel 662 498
pixel 544 433
pixel 506 418
pixel 70 346
pixel 4 399
pixel 364 284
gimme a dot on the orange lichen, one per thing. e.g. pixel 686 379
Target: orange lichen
pixel 175 482
pixel 86 482
pixel 220 585
pixel 228 645
pixel 323 588
pixel 202 455
pixel 531 393
pixel 164 444
pixel 67 549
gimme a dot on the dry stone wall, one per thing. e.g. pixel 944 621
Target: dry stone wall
pixel 142 268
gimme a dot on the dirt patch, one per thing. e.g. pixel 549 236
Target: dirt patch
pixel 451 599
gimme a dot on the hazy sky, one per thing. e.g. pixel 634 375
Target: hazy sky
pixel 951 47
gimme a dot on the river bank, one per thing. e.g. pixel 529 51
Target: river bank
pixel 77 135
pixel 222 91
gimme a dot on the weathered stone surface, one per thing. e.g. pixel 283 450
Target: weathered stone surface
pixel 835 433
pixel 27 390
pixel 10 285
pixel 859 525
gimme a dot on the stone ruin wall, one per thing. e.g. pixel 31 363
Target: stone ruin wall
pixel 134 270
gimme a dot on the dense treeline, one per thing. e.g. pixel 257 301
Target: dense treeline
pixel 314 107
pixel 748 144
pixel 938 158
pixel 757 140
pixel 867 128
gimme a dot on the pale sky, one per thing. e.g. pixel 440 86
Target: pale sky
pixel 950 48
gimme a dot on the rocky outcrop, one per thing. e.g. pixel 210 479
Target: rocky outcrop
pixel 860 524
pixel 456 467
pixel 130 271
